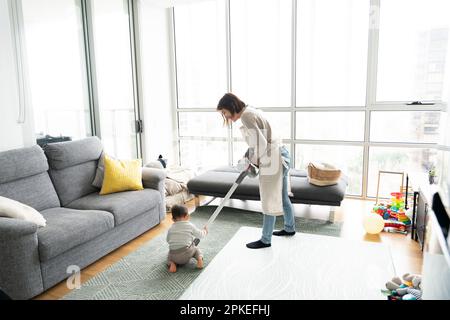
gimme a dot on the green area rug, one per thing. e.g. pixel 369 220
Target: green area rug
pixel 143 274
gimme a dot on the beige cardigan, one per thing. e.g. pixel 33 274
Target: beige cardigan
pixel 265 153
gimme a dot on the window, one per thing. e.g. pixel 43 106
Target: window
pixel 324 85
pixel 413 49
pixel 348 126
pixel 405 126
pixel 240 147
pixel 201 124
pixel 397 159
pixel 445 135
pixel 201 66
pixel 280 123
pixel 56 67
pixel 347 158
pixel 203 155
pixel 261 51
pixel 443 173
pixel 332 39
pixel 200 37
pixel 114 77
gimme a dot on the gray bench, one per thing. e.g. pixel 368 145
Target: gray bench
pixel 217 182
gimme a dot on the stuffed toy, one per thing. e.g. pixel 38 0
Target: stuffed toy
pixel 405 288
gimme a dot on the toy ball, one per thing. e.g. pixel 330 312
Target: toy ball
pixel 409 296
pixel 373 223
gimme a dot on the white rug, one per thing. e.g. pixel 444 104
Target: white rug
pixel 304 266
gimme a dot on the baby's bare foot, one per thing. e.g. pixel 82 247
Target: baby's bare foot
pixel 200 263
pixel 172 267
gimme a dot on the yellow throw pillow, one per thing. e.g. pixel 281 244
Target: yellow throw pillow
pixel 121 175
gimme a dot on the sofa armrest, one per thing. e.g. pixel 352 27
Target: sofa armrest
pixel 153 178
pixel 20 268
pixel 15 228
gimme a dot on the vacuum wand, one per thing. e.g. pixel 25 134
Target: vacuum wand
pixel 238 181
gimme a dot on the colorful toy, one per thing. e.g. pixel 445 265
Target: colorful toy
pixel 406 288
pixel 395 226
pixel 393 213
pixel 381 210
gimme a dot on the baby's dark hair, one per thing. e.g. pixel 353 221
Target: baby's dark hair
pixel 179 211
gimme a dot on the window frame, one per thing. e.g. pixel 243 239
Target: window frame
pixel 87 46
pixel 371 104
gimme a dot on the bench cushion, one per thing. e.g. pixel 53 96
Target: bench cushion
pixel 218 181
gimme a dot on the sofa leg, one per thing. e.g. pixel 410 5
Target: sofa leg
pixel 332 212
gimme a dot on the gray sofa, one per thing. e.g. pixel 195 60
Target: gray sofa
pixel 82 226
pixel 217 182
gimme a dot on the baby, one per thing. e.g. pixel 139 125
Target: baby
pixel 180 238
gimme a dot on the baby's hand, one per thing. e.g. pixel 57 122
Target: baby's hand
pixel 206 229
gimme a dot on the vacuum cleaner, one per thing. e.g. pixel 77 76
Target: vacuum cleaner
pixel 249 170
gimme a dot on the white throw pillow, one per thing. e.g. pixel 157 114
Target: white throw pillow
pixel 14 209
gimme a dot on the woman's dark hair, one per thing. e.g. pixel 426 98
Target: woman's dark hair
pixel 179 211
pixel 231 103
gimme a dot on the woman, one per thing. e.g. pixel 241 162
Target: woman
pixel 273 161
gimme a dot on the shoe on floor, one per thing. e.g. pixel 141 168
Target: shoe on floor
pixel 257 245
pixel 283 233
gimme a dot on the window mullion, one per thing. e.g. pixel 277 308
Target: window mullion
pixel 371 84
pixel 229 81
pixel 294 81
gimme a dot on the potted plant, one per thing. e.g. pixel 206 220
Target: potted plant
pixel 432 175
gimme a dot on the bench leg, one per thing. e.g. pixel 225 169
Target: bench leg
pixel 332 212
pixel 197 201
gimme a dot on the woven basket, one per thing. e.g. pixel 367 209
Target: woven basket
pixel 323 174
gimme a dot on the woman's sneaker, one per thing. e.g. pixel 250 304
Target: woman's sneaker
pixel 283 233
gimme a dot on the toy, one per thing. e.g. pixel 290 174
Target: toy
pixel 394 226
pixel 382 210
pixel 397 201
pixel 401 216
pixel 373 223
pixel 394 283
pixel 406 288
pixel 393 214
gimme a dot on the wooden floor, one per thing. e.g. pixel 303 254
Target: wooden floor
pixel 406 253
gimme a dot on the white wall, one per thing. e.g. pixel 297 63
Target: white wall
pixel 12 133
pixel 157 83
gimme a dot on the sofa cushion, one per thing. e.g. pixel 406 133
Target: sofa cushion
pixel 72 167
pixel 123 205
pixel 21 163
pixel 36 191
pixel 24 178
pixel 74 182
pixel 70 153
pixel 67 228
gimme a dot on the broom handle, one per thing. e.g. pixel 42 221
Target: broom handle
pixel 227 196
pixel 219 208
pixel 238 181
